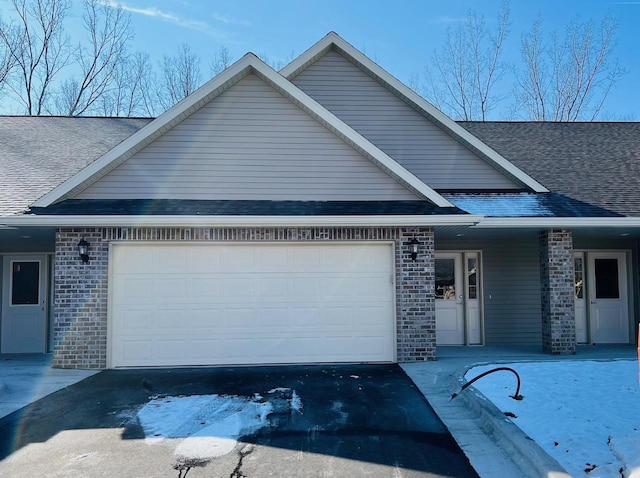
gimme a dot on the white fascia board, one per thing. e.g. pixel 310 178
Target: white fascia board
pixel 457 130
pixel 556 222
pixel 237 221
pixel 163 122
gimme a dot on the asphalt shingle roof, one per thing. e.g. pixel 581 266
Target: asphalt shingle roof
pixel 39 153
pixel 596 163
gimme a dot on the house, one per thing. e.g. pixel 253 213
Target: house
pixel 323 213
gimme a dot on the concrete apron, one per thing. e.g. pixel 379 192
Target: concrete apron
pixel 25 378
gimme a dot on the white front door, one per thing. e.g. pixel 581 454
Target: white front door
pixel 449 299
pixel 608 301
pixel 24 304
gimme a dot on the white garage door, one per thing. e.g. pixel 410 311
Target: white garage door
pixel 203 304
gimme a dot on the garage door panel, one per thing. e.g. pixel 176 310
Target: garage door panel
pixel 205 287
pixel 206 260
pixel 131 290
pixel 170 289
pixel 173 259
pixel 273 288
pixel 137 320
pixel 240 287
pixel 248 303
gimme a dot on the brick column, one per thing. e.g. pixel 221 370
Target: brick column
pixel 80 305
pixel 557 289
pixel 416 317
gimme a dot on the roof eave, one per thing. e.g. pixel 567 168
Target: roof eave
pixel 238 221
pixel 556 222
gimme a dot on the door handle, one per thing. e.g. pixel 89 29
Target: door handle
pixel 593 302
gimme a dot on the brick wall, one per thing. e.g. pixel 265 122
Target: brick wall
pixel 415 287
pixel 80 301
pixel 80 307
pixel 557 289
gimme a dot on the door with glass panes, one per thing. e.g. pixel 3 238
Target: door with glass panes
pixel 457 298
pixel 24 298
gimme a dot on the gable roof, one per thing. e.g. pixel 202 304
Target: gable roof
pixel 596 163
pixel 38 153
pixel 333 40
pixel 211 89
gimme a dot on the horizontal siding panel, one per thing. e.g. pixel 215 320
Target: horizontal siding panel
pixel 395 127
pixel 249 143
pixel 511 280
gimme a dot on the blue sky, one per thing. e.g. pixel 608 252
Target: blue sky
pixel 399 35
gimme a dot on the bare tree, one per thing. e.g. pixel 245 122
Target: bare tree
pixel 129 93
pixel 7 59
pixel 568 79
pixel 467 67
pixel 37 47
pixel 277 64
pixel 221 61
pixel 179 76
pixel 109 33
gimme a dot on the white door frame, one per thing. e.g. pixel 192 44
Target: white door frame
pixel 469 311
pixel 12 312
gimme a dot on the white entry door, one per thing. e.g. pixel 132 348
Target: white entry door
pixel 608 301
pixel 449 299
pixel 24 304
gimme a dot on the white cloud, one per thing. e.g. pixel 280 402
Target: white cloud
pixel 227 20
pixel 157 13
pixel 447 19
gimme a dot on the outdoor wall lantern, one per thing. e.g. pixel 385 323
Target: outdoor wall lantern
pixel 83 250
pixel 414 248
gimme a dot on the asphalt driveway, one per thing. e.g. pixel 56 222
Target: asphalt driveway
pixel 311 421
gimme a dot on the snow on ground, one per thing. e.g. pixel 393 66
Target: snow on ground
pixel 585 414
pixel 208 426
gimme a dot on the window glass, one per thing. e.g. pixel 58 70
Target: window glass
pixel 472 275
pixel 445 279
pixel 607 286
pixel 25 283
pixel 578 277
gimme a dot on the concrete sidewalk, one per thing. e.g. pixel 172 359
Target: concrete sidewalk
pixel 494 445
pixel 29 377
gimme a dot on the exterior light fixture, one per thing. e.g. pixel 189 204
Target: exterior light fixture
pixel 83 250
pixel 414 248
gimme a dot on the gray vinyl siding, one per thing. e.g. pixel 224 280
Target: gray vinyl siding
pixel 395 127
pixel 249 143
pixel 511 280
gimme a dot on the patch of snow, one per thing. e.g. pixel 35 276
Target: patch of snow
pixel 501 205
pixel 355 376
pixel 296 402
pixel 586 414
pixel 208 426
